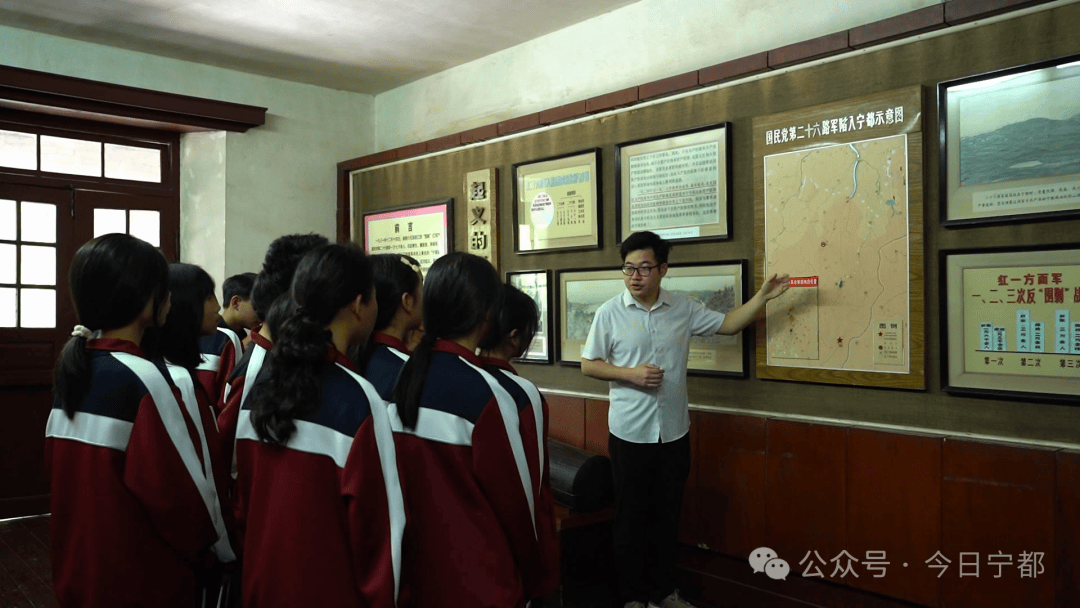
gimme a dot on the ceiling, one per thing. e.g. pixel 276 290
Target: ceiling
pixel 367 46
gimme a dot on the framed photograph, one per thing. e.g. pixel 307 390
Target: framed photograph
pixel 537 283
pixel 1008 144
pixel 557 203
pixel 720 286
pixel 676 185
pixel 1011 323
pixel 424 231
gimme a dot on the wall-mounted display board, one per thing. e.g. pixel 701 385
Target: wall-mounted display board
pixel 482 197
pixel 839 208
pixel 557 203
pixel 424 231
pixel 1011 324
pixel 720 286
pixel 537 285
pixel 1010 144
pixel 677 185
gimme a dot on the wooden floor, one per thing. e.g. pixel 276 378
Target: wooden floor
pixel 25 569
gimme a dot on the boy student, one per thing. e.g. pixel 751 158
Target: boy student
pixel 640 343
pixel 237 311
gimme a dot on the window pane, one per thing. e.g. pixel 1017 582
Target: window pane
pixel 74 156
pixel 128 162
pixel 38 265
pixel 146 225
pixel 107 221
pixel 37 308
pixel 8 308
pixel 38 222
pixel 7 264
pixel 7 220
pixel 18 150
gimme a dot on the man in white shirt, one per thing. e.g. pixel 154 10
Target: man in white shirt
pixel 640 343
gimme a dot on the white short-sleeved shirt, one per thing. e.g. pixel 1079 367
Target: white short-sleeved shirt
pixel 625 334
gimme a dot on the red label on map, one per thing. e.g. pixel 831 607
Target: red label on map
pixel 803 281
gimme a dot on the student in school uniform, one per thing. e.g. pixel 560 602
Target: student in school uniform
pixel 221 348
pixel 134 518
pixel 508 339
pixel 237 311
pixel 315 453
pixel 399 288
pixel 464 470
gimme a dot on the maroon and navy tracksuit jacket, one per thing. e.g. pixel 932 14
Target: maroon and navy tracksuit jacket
pixel 220 352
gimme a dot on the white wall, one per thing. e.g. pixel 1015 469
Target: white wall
pixel 639 43
pixel 251 187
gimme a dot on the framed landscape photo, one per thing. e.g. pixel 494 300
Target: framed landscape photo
pixel 677 185
pixel 557 203
pixel 1008 145
pixel 720 286
pixel 1011 323
pixel 537 284
pixel 424 231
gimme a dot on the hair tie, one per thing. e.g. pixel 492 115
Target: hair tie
pixel 81 331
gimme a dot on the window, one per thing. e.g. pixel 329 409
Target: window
pixel 27 264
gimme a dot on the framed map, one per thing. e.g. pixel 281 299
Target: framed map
pixel 720 286
pixel 557 203
pixel 424 231
pixel 1011 328
pixel 839 208
pixel 676 185
pixel 1009 144
pixel 537 284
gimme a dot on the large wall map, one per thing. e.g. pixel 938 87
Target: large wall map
pixel 837 221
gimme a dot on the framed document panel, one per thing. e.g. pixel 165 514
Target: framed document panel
pixel 676 185
pixel 557 203
pixel 537 284
pixel 424 231
pixel 720 286
pixel 1011 323
pixel 1009 148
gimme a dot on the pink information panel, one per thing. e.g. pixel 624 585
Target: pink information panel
pixel 421 231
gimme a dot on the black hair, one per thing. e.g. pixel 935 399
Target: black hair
pixel 460 291
pixel 237 285
pixel 646 240
pixel 278 268
pixel 326 280
pixel 518 311
pixel 111 277
pixel 280 311
pixel 178 339
pixel 395 275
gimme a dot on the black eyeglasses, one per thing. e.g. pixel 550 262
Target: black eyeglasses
pixel 644 271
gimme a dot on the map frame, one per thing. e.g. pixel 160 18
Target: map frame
pixel 908 104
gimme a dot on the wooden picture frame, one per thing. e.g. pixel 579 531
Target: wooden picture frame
pixel 1010 326
pixel 428 232
pixel 838 190
pixel 582 291
pixel 1007 140
pixel 683 212
pixel 557 203
pixel 538 285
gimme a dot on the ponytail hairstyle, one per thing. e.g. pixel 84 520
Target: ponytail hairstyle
pixel 178 339
pixel 112 278
pixel 326 280
pixel 395 275
pixel 461 292
pixel 280 311
pixel 518 311
pixel 278 267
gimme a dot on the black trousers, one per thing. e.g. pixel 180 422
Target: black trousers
pixel 649 480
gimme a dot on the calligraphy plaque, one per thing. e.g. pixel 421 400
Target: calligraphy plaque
pixel 424 231
pixel 676 185
pixel 557 203
pixel 1012 322
pixel 483 204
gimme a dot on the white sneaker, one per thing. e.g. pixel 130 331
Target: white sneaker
pixel 673 601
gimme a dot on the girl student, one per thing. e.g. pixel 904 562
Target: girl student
pixel 463 466
pixel 315 453
pixel 133 519
pixel 508 339
pixel 399 288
